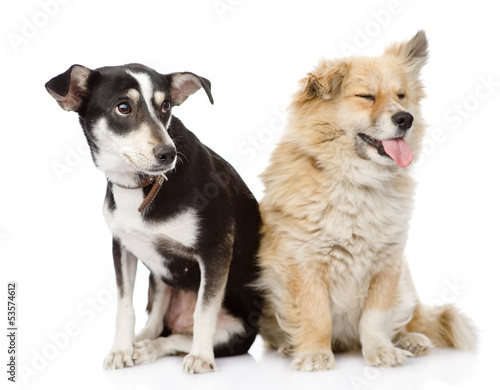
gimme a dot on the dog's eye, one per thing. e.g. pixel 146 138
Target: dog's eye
pixel 401 96
pixel 367 97
pixel 165 107
pixel 123 109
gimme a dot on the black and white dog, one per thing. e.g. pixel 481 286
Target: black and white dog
pixel 178 207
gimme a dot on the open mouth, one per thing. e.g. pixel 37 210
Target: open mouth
pixel 375 143
pixel 395 148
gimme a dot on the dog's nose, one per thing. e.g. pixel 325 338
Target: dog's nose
pixel 403 120
pixel 165 153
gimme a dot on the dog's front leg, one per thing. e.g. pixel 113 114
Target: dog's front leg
pixel 311 335
pixel 214 272
pixel 125 269
pixel 377 323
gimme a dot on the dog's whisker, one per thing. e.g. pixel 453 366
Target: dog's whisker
pixel 183 155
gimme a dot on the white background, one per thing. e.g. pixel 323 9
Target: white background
pixel 53 240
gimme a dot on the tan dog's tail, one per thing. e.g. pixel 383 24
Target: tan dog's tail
pixel 445 326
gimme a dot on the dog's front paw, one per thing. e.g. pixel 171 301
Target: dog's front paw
pixel 145 352
pixel 314 361
pixel 119 359
pixel 286 350
pixel 197 365
pixel 387 356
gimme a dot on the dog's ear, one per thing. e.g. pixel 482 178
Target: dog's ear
pixel 413 52
pixel 70 88
pixel 184 84
pixel 325 81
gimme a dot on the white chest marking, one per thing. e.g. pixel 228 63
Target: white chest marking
pixel 142 238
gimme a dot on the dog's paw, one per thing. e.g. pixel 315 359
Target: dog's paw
pixel 145 352
pixel 119 359
pixel 286 350
pixel 387 356
pixel 314 361
pixel 416 343
pixel 197 365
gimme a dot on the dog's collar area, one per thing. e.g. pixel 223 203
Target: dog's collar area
pixel 148 180
pixel 157 182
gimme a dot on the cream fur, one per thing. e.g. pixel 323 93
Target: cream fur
pixel 336 217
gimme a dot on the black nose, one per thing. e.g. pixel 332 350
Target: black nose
pixel 165 153
pixel 403 120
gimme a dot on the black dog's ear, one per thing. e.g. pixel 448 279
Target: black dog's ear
pixel 70 88
pixel 184 84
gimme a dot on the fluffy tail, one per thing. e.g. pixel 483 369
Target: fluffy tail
pixel 445 326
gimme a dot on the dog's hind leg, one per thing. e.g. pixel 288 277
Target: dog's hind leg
pixel 158 302
pixel 125 269
pixel 230 338
pixel 147 351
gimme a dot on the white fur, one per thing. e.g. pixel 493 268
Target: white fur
pixel 121 352
pixel 146 87
pixel 139 237
pixel 120 156
pixel 151 96
pixel 148 350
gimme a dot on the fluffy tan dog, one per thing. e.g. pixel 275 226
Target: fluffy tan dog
pixel 336 211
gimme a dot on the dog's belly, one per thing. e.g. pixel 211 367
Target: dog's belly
pixel 179 316
pixel 346 313
pixel 347 297
pixel 162 246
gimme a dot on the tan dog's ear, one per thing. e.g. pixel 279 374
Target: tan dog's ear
pixel 413 53
pixel 325 81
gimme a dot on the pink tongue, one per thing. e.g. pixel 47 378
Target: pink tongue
pixel 399 150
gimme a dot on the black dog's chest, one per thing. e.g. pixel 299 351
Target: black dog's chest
pixel 183 274
pixel 165 247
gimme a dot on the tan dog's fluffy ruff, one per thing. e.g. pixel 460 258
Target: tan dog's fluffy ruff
pixel 336 211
